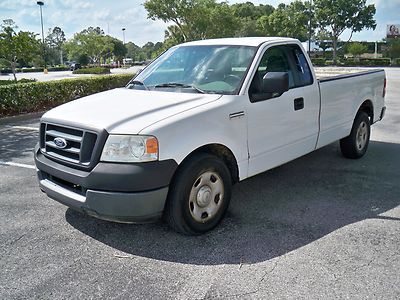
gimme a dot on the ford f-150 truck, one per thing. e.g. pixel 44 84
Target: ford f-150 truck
pixel 202 116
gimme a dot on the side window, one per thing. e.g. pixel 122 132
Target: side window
pixel 302 68
pixel 273 60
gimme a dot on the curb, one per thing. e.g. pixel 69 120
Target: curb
pixel 18 118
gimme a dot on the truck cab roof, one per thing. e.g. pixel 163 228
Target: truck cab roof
pixel 242 41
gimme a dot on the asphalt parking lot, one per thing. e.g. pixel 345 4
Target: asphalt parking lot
pixel 320 227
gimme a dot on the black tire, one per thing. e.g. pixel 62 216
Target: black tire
pixel 181 210
pixel 356 144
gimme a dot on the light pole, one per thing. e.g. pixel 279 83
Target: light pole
pixel 309 28
pixel 123 39
pixel 41 3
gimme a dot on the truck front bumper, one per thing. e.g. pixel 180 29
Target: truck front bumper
pixel 128 193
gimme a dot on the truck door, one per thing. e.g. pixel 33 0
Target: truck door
pixel 282 127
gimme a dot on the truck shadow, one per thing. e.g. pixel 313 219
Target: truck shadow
pixel 273 213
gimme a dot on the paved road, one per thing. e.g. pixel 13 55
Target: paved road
pixel 320 227
pixel 57 75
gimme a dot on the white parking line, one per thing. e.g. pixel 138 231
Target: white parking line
pixel 25 128
pixel 13 164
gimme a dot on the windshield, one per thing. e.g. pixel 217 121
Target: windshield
pixel 197 69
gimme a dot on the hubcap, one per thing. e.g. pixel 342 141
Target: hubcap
pixel 362 136
pixel 206 196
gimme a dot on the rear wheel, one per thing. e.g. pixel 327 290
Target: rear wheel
pixel 199 196
pixel 356 144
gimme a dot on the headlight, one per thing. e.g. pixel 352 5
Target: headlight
pixel 130 148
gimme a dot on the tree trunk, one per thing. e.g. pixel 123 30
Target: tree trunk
pixel 181 29
pixel 13 65
pixel 334 40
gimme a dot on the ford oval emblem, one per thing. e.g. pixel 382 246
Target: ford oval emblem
pixel 60 142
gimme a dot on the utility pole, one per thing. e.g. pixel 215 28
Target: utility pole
pixel 123 35
pixel 41 3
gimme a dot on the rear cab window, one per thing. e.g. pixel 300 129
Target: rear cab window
pixel 303 70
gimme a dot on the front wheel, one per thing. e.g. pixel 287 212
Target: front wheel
pixel 356 144
pixel 199 195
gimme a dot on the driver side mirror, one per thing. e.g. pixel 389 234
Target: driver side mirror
pixel 275 83
pixel 272 85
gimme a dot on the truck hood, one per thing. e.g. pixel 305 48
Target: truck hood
pixel 124 110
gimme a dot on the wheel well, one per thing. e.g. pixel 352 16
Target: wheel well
pixel 368 108
pixel 223 153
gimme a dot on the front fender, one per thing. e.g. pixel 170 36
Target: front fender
pixel 209 124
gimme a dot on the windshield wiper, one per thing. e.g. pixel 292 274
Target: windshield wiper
pixel 181 85
pixel 138 82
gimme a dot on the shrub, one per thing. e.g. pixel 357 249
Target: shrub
pixel 95 70
pixel 351 62
pixel 318 61
pixel 368 62
pixel 59 68
pixel 396 62
pixel 31 70
pixel 38 96
pixel 23 80
pixel 356 49
pixel 50 69
pixel 6 82
pixel 26 80
pixel 5 71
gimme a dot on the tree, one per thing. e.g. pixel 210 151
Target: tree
pixel 196 19
pixel 132 50
pixel 249 27
pixel 213 20
pixel 91 42
pixel 287 20
pixel 248 10
pixel 323 40
pixel 338 15
pixel 119 49
pixel 176 11
pixel 15 46
pixel 356 49
pixel 248 14
pixel 55 40
pixel 392 48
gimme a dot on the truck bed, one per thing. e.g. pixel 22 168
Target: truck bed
pixel 342 92
pixel 328 72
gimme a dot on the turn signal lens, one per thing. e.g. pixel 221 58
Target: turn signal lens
pixel 151 145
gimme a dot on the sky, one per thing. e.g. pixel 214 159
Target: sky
pixel 75 15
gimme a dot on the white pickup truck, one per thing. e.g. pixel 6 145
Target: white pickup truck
pixel 201 117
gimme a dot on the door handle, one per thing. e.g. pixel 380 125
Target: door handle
pixel 298 103
pixel 236 114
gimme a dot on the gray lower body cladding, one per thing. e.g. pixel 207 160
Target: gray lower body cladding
pixel 110 191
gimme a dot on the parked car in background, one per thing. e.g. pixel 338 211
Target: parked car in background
pixel 74 66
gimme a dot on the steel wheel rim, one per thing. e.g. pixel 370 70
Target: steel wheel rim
pixel 206 196
pixel 362 136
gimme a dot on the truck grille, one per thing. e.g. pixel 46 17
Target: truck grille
pixel 67 144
